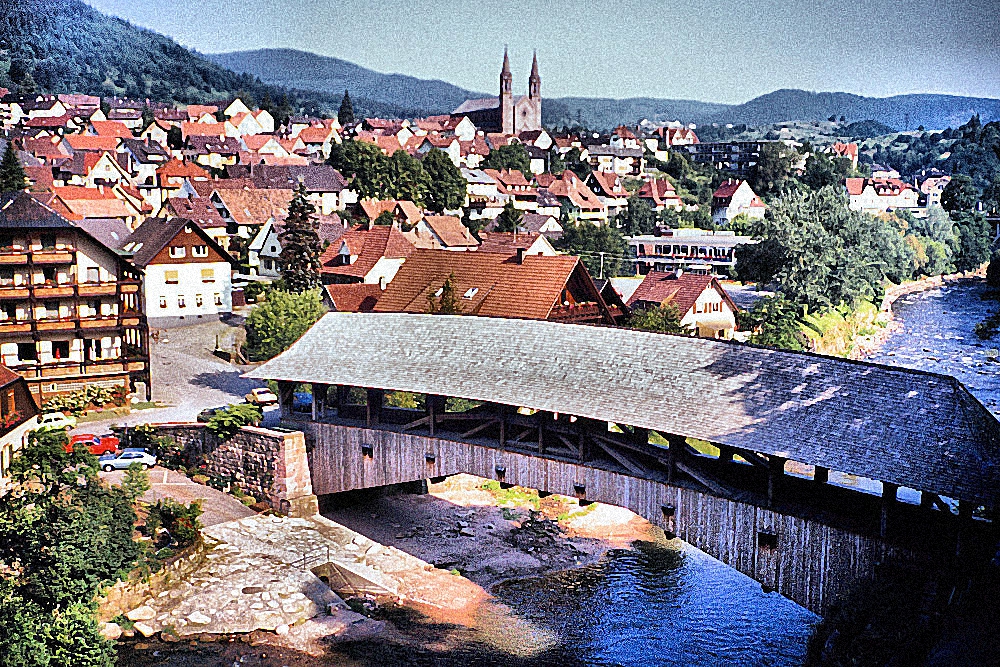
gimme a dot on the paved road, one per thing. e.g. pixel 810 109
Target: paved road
pixel 187 377
pixel 217 507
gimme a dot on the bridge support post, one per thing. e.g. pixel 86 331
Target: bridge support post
pixel 640 436
pixel 319 401
pixel 374 407
pixel 677 444
pixel 435 405
pixel 286 397
pixel 821 475
pixel 726 453
pixel 889 491
pixel 343 398
pixel 542 416
pixel 775 474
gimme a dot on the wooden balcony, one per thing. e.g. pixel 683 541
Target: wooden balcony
pixel 68 290
pixel 64 368
pixel 52 257
pixel 71 324
pixel 15 291
pixel 97 289
pixel 15 327
pixel 13 257
pixel 53 291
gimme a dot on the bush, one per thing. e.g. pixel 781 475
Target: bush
pixel 179 520
pixel 79 401
pixel 227 423
pixel 993 271
pixel 280 321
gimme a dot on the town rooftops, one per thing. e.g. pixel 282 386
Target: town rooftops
pixel 354 297
pixel 451 231
pixel 920 430
pixel 199 210
pixel 368 246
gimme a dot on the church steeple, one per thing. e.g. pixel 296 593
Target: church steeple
pixel 506 78
pixel 534 81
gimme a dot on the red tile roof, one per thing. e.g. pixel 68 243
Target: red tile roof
pixel 660 288
pixel 451 231
pixel 506 243
pixel 609 184
pixel 177 169
pixel 354 297
pixel 728 189
pixel 369 246
pixel 111 128
pixel 661 191
pixel 199 210
pixel 86 142
pixel 487 284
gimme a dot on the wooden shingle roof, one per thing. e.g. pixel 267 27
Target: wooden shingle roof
pixel 912 428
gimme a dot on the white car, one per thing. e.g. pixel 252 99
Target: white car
pixel 127 457
pixel 55 421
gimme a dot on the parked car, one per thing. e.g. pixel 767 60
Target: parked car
pixel 262 396
pixel 98 445
pixel 126 458
pixel 208 413
pixel 55 421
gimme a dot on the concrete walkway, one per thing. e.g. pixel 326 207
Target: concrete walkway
pixel 217 507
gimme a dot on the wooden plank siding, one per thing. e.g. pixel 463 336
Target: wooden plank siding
pixel 811 564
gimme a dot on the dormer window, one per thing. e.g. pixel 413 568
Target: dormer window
pixel 199 251
pixel 177 251
pixel 470 293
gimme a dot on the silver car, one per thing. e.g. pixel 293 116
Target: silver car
pixel 126 458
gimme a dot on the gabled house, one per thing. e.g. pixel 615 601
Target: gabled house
pixel 212 152
pixel 362 255
pixel 245 210
pixel 542 223
pixel 442 231
pixel 264 250
pixel 847 151
pixel 733 198
pixel 573 193
pixel 80 203
pixel 660 194
pixel 705 307
pixel 406 214
pixel 878 195
pixel 172 177
pixel 18 415
pixel 187 276
pixel 326 188
pixel 509 243
pixel 200 211
pixel 609 189
pixel 498 285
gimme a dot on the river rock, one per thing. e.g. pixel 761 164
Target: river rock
pixel 111 631
pixel 465 532
pixel 198 618
pixel 143 613
pixel 144 630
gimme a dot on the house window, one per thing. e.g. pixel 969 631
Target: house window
pixel 177 251
pixel 199 251
pixel 7 276
pixel 8 311
pixel 218 299
pixel 170 277
pixel 198 301
pixel 48 241
pixel 93 274
pixel 51 309
pixel 27 352
pixel 208 275
pixel 60 349
pixel 49 275
pixel 180 302
pixel 163 302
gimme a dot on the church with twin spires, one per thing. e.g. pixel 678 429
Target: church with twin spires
pixel 508 113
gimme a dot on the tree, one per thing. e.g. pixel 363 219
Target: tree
pixel 385 219
pixel 821 171
pixel 960 194
pixel 974 236
pixel 135 483
pixel 513 156
pixel 509 219
pixel 444 301
pixel 447 188
pixel 774 322
pixel 820 254
pixel 771 173
pixel 12 176
pixel 280 321
pixel 346 114
pixel 638 218
pixel 557 164
pixel 993 271
pixel 665 318
pixel 147 116
pixel 300 245
pixel 602 248
pixel 365 164
pixel 406 179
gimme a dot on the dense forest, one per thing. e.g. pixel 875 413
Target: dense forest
pixel 65 46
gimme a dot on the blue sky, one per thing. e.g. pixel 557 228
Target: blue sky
pixel 712 50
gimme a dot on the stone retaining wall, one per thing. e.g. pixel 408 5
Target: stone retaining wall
pixel 271 466
pixel 125 596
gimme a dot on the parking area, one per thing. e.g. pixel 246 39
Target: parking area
pixel 217 507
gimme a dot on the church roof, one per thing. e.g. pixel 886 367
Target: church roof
pixel 482 104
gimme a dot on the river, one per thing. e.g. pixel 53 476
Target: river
pixel 937 334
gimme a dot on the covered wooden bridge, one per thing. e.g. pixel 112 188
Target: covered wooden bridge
pixel 786 466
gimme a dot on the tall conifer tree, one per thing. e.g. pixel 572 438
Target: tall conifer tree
pixel 346 114
pixel 12 176
pixel 300 245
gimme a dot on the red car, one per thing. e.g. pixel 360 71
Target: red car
pixel 98 445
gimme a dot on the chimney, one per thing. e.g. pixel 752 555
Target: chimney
pixel 520 255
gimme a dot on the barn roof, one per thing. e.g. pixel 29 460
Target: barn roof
pixel 913 428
